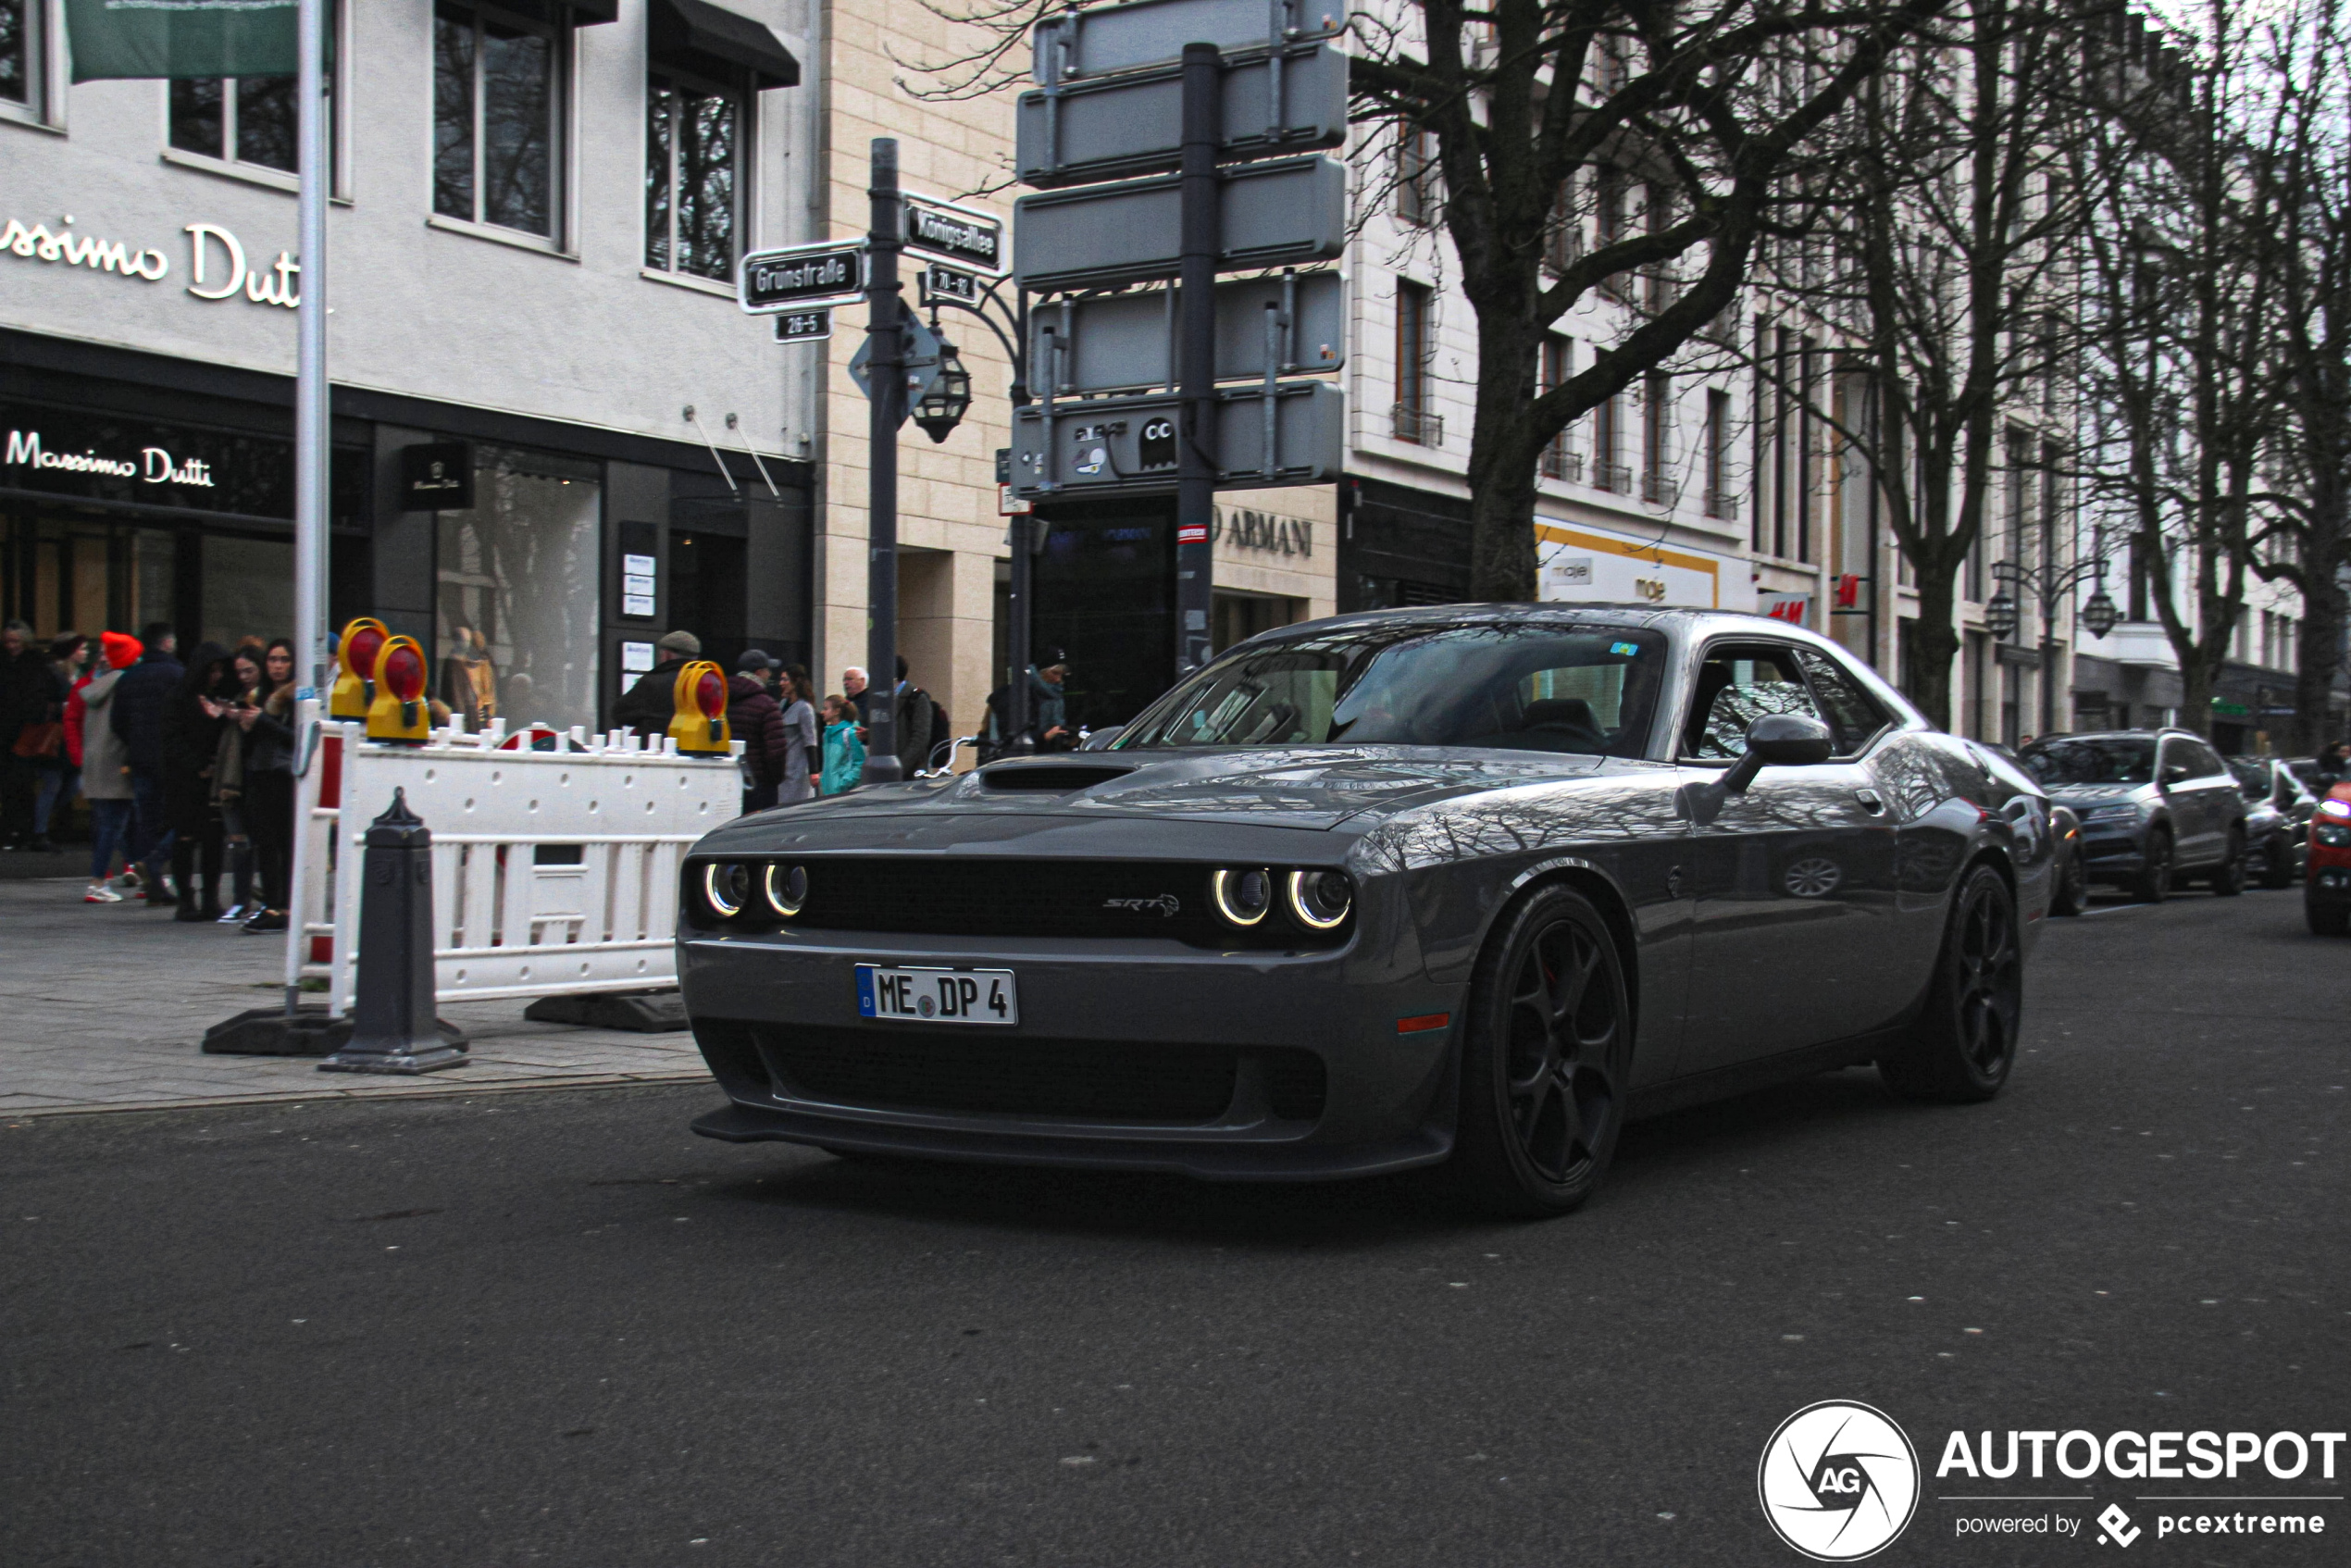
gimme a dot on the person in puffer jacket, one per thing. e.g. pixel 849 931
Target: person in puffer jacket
pixel 758 720
pixel 104 762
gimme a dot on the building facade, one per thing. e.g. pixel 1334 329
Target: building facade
pixel 556 435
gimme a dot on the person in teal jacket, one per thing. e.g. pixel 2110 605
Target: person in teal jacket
pixel 844 751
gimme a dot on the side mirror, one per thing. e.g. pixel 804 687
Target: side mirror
pixel 1773 741
pixel 2175 773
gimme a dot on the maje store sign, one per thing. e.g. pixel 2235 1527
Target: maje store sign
pixel 217 266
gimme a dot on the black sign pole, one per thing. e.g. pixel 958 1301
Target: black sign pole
pixel 1195 355
pixel 884 316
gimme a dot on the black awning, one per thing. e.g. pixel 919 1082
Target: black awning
pixel 698 36
pixel 588 12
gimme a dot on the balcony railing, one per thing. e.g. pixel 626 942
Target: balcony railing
pixel 1559 463
pixel 1721 505
pixel 1659 491
pixel 1612 477
pixel 1417 426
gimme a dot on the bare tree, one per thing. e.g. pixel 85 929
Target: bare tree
pixel 1952 223
pixel 2308 54
pixel 2182 305
pixel 1711 105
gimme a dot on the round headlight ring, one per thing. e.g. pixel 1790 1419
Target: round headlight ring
pixel 1321 901
pixel 787 887
pixel 1243 897
pixel 726 886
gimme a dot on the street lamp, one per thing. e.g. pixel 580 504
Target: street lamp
pixel 2099 615
pixel 1999 614
pixel 950 397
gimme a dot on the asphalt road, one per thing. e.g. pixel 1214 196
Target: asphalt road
pixel 556 1327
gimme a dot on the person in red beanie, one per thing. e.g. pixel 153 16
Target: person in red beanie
pixel 104 760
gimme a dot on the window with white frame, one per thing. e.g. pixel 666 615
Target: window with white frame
pixel 695 137
pixel 254 120
pixel 1417 177
pixel 20 55
pixel 498 107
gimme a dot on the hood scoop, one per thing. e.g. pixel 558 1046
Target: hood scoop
pixel 1049 778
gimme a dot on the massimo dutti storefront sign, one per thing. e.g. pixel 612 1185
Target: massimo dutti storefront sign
pixel 214 260
pixel 75 454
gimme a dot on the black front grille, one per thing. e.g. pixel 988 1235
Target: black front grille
pixel 1021 898
pixel 912 1069
pixel 1049 778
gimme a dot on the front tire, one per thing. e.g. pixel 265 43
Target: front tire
pixel 2277 869
pixel 1964 1043
pixel 1545 1060
pixel 2153 884
pixel 2072 894
pixel 2228 877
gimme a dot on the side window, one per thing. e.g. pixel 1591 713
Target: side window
pixel 2179 756
pixel 1853 716
pixel 1737 685
pixel 2206 762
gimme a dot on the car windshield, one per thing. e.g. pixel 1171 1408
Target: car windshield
pixel 2118 759
pixel 1525 686
pixel 2253 779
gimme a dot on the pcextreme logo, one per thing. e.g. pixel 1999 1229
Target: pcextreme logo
pixel 1839 1481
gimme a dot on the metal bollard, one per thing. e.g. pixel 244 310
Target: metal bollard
pixel 393 1030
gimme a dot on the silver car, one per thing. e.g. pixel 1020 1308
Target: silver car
pixel 2158 807
pixel 2277 820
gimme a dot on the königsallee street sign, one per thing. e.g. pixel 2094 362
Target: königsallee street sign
pixel 959 236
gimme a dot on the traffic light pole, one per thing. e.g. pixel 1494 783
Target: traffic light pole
pixel 885 316
pixel 1196 355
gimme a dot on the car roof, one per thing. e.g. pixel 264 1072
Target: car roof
pixel 1688 622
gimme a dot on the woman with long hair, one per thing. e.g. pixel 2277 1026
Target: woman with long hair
pixel 191 721
pixel 268 726
pixel 804 755
pixel 229 780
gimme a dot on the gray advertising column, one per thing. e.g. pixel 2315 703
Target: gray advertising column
pixel 1196 356
pixel 886 410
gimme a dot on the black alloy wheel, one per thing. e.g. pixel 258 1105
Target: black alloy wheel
pixel 1544 1059
pixel 1964 1043
pixel 2228 877
pixel 2153 884
pixel 2071 894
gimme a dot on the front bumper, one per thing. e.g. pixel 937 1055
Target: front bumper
pixel 2113 857
pixel 1138 1055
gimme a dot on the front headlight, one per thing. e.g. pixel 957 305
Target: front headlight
pixel 2333 838
pixel 2122 813
pixel 787 889
pixel 725 886
pixel 1320 899
pixel 1242 897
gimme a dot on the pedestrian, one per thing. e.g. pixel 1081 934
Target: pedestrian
pixel 229 780
pixel 844 750
pixel 32 705
pixel 921 723
pixel 758 720
pixel 268 725
pixel 648 706
pixel 191 724
pixel 139 700
pixel 852 685
pixel 104 762
pixel 803 753
pixel 2334 765
pixel 58 775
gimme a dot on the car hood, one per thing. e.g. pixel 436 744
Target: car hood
pixel 1317 786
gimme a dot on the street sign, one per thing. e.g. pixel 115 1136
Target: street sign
pixel 1125 126
pixel 956 235
pixel 1290 212
pixel 1120 343
pixel 1129 444
pixel 804 326
pixel 922 362
pixel 802 277
pixel 1142 33
pixel 939 282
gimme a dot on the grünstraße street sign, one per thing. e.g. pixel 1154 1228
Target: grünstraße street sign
pixel 1289 212
pixel 1142 33
pixel 1112 444
pixel 1083 343
pixel 1122 126
pixel 802 277
pixel 959 236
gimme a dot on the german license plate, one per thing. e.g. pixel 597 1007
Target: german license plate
pixel 937 996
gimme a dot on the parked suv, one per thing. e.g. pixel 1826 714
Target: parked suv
pixel 2327 895
pixel 2158 807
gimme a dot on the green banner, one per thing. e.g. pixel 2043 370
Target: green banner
pixel 151 38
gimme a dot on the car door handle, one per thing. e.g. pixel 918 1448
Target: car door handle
pixel 1869 800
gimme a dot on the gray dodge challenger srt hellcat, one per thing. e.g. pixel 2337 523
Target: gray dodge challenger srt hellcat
pixel 1469 884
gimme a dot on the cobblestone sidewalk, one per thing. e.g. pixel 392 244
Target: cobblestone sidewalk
pixel 102 1006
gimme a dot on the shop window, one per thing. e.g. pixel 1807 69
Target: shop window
pixel 21 45
pixel 1237 617
pixel 516 592
pixel 694 140
pixel 498 114
pixel 248 588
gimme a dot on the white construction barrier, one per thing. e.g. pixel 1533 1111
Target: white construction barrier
pixel 553 871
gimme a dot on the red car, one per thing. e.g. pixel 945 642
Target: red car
pixel 2327 894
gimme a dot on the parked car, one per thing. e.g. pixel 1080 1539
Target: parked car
pixel 2158 807
pixel 2326 894
pixel 2277 820
pixel 2070 881
pixel 1469 883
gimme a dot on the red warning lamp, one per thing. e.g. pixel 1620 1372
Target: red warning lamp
pixel 700 724
pixel 356 652
pixel 398 713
